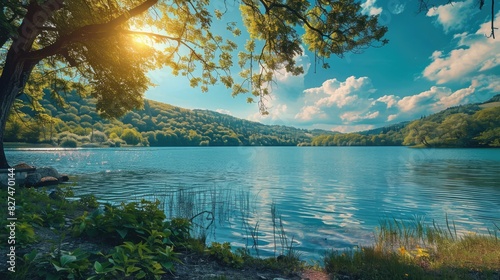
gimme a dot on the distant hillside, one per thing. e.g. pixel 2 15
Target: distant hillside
pixel 472 125
pixel 77 124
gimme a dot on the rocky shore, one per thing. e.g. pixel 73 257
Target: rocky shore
pixel 29 176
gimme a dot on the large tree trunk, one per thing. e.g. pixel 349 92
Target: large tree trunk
pixel 17 69
pixel 7 97
pixel 12 81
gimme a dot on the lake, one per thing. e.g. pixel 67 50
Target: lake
pixel 327 197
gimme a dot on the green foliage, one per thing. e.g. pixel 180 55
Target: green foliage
pixel 169 126
pixel 223 254
pixel 126 222
pixel 135 261
pixel 98 136
pixel 67 265
pixel 131 136
pixel 69 143
pixel 88 201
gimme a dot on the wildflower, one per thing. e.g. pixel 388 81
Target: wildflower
pixel 420 252
pixel 402 250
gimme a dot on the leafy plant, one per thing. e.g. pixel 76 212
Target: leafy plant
pixel 126 222
pixel 135 261
pixel 223 254
pixel 88 201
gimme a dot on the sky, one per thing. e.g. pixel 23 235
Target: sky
pixel 434 60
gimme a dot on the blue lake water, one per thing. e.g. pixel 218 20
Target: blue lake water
pixel 328 197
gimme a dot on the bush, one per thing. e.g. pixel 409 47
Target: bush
pixel 98 136
pixel 131 136
pixel 69 143
pixel 127 222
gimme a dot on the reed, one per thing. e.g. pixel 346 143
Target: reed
pixel 414 249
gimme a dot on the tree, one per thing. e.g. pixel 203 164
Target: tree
pixel 131 136
pixel 85 45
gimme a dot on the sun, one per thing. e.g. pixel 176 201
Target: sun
pixel 142 40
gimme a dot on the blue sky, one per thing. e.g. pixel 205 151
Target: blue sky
pixel 434 60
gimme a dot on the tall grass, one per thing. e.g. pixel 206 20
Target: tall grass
pixel 212 207
pixel 414 249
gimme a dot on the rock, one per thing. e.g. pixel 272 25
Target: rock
pixel 64 178
pixel 32 179
pixel 48 172
pixel 47 181
pixel 23 166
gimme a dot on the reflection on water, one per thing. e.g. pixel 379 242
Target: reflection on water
pixel 327 197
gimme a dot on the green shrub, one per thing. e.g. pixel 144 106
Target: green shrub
pixel 126 222
pixel 69 143
pixel 88 201
pixel 136 261
pixel 223 254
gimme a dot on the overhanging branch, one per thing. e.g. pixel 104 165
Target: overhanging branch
pixel 94 31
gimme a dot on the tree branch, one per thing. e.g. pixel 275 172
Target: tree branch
pixel 93 31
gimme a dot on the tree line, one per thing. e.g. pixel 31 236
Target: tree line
pixel 75 122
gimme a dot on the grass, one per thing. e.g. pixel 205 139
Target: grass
pixel 415 250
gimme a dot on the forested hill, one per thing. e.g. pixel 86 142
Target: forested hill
pixel 472 125
pixel 76 123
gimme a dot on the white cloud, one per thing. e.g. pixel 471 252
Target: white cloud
pixel 340 102
pixel 224 111
pixel 369 8
pixel 333 92
pixel 395 7
pixel 358 116
pixel 390 100
pixel 434 100
pixel 351 128
pixel 452 16
pixel 487 83
pixel 277 113
pixel 392 117
pixel 308 113
pixel 475 53
pixel 346 105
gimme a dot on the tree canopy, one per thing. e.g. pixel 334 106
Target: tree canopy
pixel 94 46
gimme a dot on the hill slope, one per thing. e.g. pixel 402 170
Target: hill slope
pixel 157 124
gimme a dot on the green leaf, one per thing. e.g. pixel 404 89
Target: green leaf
pixel 65 259
pixel 122 233
pixel 98 267
pixel 132 269
pixel 140 275
pixel 58 268
pixel 167 265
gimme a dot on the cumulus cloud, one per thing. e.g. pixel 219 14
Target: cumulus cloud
pixel 434 100
pixel 308 113
pixel 339 102
pixel 475 53
pixel 452 16
pixel 351 104
pixel 368 7
pixel 333 92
